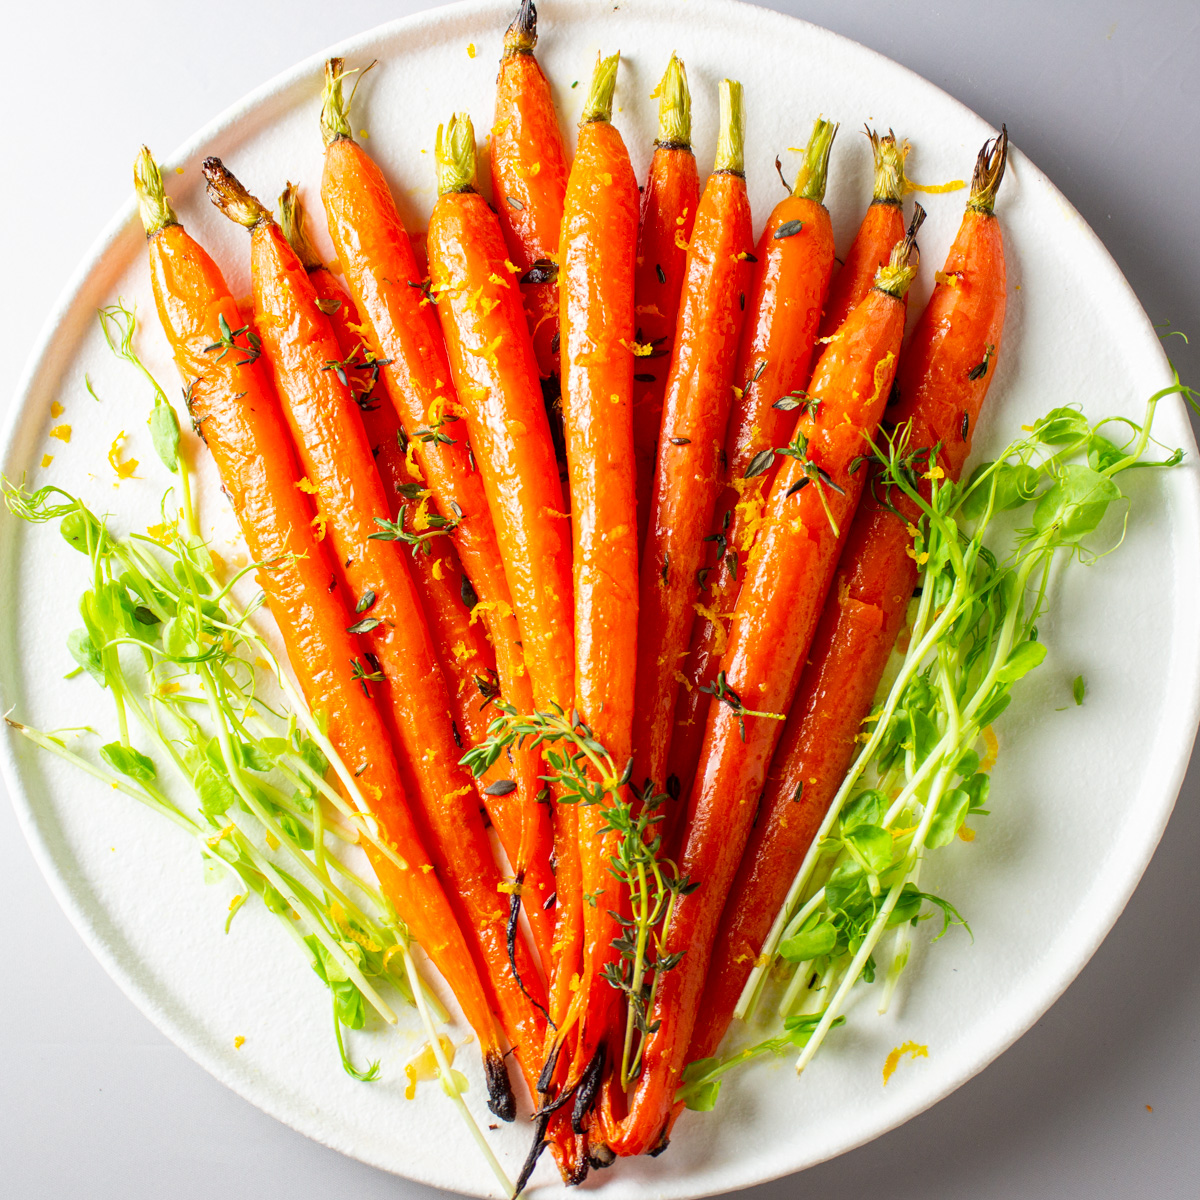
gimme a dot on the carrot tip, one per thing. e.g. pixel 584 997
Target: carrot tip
pixel 521 36
pixel 501 1101
pixel 153 206
pixel 891 185
pixel 335 108
pixel 731 142
pixel 902 266
pixel 541 1123
pixel 674 107
pixel 814 170
pixel 600 95
pixel 989 172
pixel 454 150
pixel 233 200
pixel 291 221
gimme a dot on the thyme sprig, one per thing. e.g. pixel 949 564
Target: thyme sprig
pixel 395 531
pixel 582 771
pixel 228 341
pixel 721 691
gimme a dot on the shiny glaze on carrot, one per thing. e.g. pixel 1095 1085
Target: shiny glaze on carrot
pixel 867 603
pixel 688 478
pixel 596 281
pixel 234 409
pixel 781 599
pixel 669 202
pixel 401 326
pixel 783 310
pixel 299 344
pixel 529 180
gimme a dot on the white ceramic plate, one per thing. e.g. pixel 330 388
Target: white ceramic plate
pixel 1080 795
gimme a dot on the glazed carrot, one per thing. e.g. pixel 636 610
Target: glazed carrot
pixel 529 180
pixel 495 374
pixel 696 410
pixel 234 409
pixel 467 657
pixel 599 245
pixel 794 265
pixel 881 229
pixel 401 326
pixel 301 350
pixel 942 389
pixel 669 203
pixel 789 570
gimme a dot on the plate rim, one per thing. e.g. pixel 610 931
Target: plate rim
pixel 41 361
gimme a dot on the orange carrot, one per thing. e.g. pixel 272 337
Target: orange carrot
pixel 234 409
pixel 698 397
pixel 881 229
pixel 301 349
pixel 529 180
pixel 942 389
pixel 794 265
pixel 669 203
pixel 599 246
pixel 495 374
pixel 466 655
pixel 401 326
pixel 788 573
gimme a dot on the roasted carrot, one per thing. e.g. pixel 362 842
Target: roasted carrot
pixel 942 389
pixel 669 203
pixel 235 411
pixel 788 574
pixel 301 350
pixel 495 374
pixel 791 278
pixel 881 229
pixel 696 410
pixel 599 246
pixel 529 180
pixel 401 327
pixel 467 659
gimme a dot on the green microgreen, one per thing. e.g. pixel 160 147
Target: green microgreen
pixel 214 736
pixel 973 636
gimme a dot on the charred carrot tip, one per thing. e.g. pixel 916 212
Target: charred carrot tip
pixel 731 141
pixel 540 1125
pixel 674 106
pixel 454 150
pixel 501 1102
pixel 291 221
pixel 902 266
pixel 600 95
pixel 890 181
pixel 989 172
pixel 153 206
pixel 231 197
pixel 814 170
pixel 521 36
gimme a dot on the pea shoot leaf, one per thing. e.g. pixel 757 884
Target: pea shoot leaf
pixel 129 762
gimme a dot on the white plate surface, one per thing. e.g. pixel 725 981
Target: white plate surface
pixel 1080 795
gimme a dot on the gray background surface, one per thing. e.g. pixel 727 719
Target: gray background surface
pixel 94 1102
